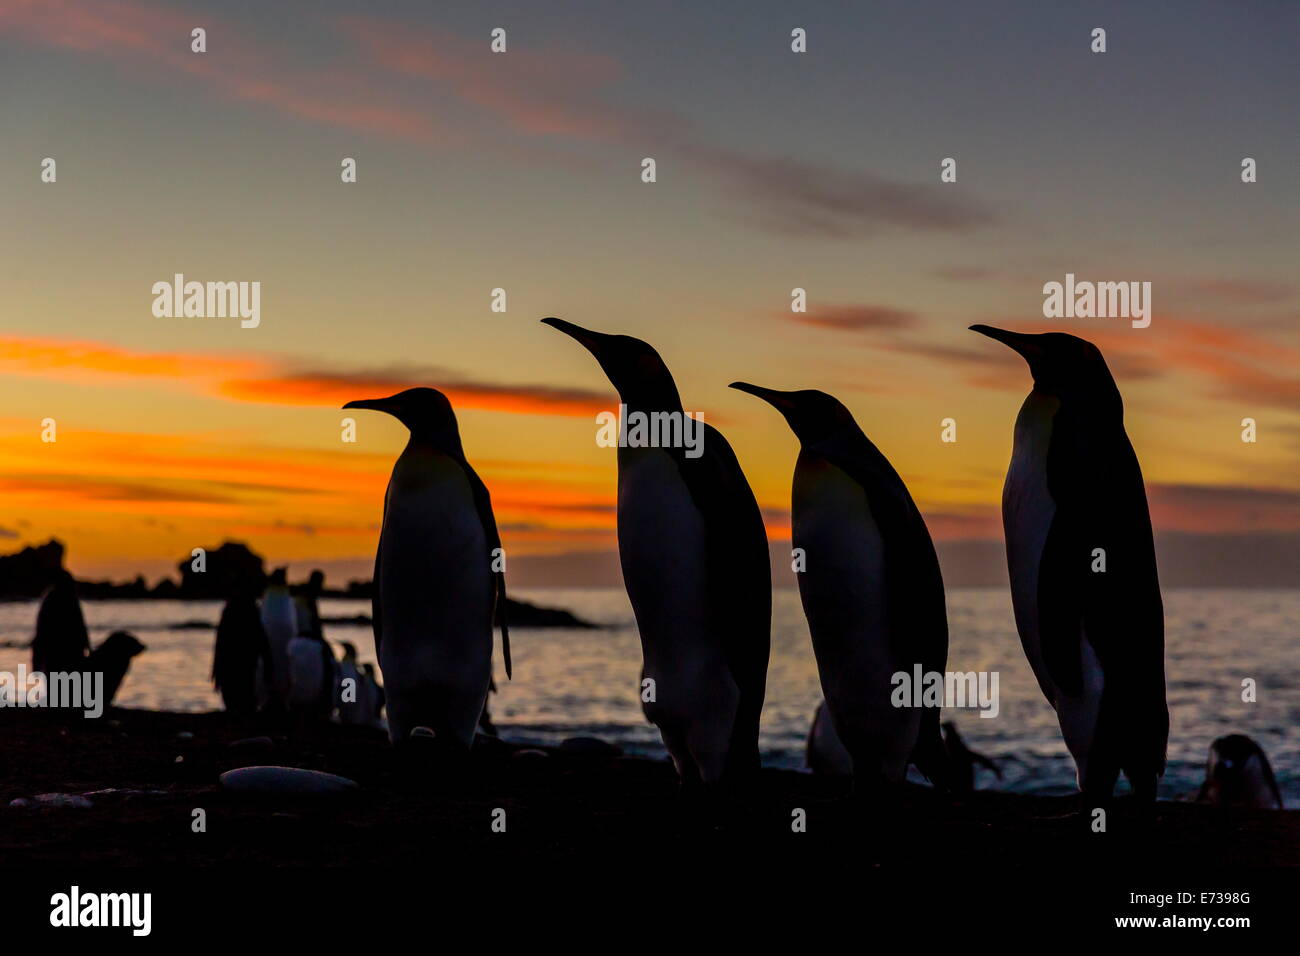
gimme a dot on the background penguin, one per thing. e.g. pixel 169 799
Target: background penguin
pixel 61 641
pixel 112 658
pixel 872 590
pixel 313 671
pixel 825 753
pixel 962 761
pixel 359 711
pixel 306 605
pixel 1238 774
pixel 435 590
pixel 695 562
pixel 241 649
pixel 374 697
pixel 1095 640
pixel 312 676
pixel 280 621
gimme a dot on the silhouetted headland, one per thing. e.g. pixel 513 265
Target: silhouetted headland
pixel 26 574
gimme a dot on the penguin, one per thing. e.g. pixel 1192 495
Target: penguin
pixel 306 606
pixel 962 761
pixel 485 725
pixel 1081 556
pixel 1238 774
pixel 695 562
pixel 871 589
pixel 313 671
pixel 312 677
pixel 825 754
pixel 61 642
pixel 374 698
pixel 112 658
pixel 360 709
pixel 280 621
pixel 241 649
pixel 438 578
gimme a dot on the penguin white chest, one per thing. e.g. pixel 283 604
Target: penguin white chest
pixel 280 621
pixel 1027 513
pixel 843 583
pixel 306 672
pixel 661 543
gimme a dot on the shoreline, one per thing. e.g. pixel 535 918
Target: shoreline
pixel 558 804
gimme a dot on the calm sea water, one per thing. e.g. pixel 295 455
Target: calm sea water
pixel 586 682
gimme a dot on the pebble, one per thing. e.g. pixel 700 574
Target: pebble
pixel 290 780
pixel 53 800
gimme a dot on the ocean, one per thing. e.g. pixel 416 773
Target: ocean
pixel 570 682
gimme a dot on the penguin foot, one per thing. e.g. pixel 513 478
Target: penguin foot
pixel 424 756
pixel 1141 815
pixel 705 807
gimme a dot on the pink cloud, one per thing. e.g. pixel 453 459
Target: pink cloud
pixel 148 37
pixel 541 92
pixel 403 80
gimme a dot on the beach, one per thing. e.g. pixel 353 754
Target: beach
pixel 558 806
pixel 571 682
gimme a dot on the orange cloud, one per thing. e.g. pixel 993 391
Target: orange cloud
pixel 335 388
pixel 71 359
pixel 280 382
pixel 854 318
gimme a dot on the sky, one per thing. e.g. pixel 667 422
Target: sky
pixel 521 171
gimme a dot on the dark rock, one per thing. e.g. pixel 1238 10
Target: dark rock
pixel 27 573
pixel 231 568
pixel 250 746
pixel 531 755
pixel 285 780
pixel 590 747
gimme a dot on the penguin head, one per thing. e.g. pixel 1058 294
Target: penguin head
pixel 426 412
pixel 1062 364
pixel 812 415
pixel 633 367
pixel 1229 755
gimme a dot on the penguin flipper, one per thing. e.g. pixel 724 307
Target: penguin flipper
pixel 483 505
pixel 1270 779
pixel 502 615
pixel 1061 586
pixel 930 756
pixel 376 615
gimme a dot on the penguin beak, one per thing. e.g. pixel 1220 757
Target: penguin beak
pixel 375 404
pixel 781 401
pixel 588 339
pixel 1023 343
